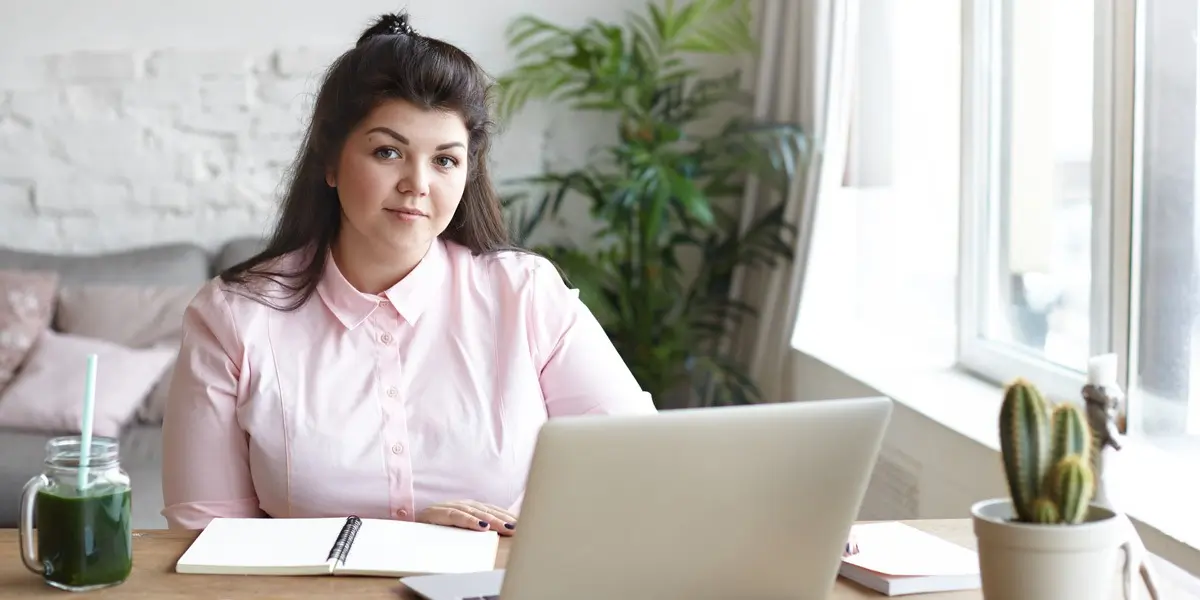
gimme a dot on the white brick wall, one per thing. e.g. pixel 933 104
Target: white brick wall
pixel 165 122
pixel 106 150
pixel 110 150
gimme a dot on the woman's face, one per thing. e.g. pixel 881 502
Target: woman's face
pixel 400 176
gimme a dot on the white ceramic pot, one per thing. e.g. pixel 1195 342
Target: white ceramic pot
pixel 1025 561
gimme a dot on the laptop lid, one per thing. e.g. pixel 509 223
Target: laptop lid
pixel 724 502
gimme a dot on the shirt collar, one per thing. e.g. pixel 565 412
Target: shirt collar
pixel 410 295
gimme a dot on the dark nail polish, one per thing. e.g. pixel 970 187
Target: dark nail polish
pixel 483 524
pixel 509 526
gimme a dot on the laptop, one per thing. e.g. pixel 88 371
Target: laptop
pixel 724 502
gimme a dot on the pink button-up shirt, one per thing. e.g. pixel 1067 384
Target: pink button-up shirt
pixel 380 405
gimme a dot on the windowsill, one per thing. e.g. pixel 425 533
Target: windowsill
pixel 1148 484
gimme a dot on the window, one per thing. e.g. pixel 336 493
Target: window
pixel 1018 193
pixel 1033 199
pixel 1166 222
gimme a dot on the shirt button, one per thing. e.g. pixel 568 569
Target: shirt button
pixel 402 513
pixel 393 392
pixel 386 338
pixel 383 302
pixel 397 448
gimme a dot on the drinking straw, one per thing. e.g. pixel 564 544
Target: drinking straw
pixel 89 407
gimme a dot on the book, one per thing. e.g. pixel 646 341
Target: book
pixel 895 559
pixel 336 546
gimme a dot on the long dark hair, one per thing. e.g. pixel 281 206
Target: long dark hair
pixel 389 61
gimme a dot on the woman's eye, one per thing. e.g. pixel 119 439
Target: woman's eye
pixel 446 162
pixel 387 153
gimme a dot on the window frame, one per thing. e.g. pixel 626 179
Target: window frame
pixel 986 43
pixel 1122 23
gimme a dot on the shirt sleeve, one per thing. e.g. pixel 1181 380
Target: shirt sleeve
pixel 206 471
pixel 581 370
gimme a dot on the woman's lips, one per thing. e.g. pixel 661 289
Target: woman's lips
pixel 406 214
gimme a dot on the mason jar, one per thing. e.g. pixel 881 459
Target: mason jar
pixel 83 517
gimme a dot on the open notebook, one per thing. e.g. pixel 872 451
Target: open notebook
pixel 337 546
pixel 895 559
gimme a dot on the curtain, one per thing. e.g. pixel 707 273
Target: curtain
pixel 803 75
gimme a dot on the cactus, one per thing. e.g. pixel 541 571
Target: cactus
pixel 1046 452
pixel 1070 433
pixel 1070 487
pixel 1024 444
pixel 1045 511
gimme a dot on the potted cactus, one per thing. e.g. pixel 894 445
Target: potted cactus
pixel 1047 540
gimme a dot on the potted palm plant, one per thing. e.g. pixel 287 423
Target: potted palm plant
pixel 667 195
pixel 1048 540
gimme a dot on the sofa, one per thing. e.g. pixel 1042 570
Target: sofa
pixel 124 306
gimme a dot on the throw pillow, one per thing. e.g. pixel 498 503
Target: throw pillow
pixel 136 316
pixel 151 411
pixel 47 394
pixel 26 308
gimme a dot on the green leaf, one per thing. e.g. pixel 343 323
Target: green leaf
pixel 666 194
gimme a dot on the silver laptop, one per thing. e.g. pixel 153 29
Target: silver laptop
pixel 725 502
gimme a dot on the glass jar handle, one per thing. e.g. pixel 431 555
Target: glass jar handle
pixel 28 497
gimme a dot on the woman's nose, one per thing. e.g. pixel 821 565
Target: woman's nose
pixel 414 180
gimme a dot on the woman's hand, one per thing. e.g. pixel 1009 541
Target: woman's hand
pixel 469 514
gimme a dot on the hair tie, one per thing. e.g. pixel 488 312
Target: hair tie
pixel 398 25
pixel 386 25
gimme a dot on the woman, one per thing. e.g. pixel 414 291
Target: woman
pixel 388 354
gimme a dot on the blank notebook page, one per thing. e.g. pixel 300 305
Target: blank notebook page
pixel 264 543
pixel 406 547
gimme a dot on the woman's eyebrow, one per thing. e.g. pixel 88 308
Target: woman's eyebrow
pixel 404 140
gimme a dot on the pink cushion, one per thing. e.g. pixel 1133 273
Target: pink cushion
pixel 47 393
pixel 137 316
pixel 26 308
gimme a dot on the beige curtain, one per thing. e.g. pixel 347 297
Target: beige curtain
pixel 803 75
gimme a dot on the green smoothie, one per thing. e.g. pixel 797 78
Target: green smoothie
pixel 85 541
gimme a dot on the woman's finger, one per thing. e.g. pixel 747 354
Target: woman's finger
pixel 455 516
pixel 510 520
pixel 498 523
pixel 495 510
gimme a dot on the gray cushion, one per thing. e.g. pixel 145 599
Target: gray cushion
pixel 23 455
pixel 173 264
pixel 141 456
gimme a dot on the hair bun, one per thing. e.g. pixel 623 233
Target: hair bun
pixel 389 24
pixel 398 24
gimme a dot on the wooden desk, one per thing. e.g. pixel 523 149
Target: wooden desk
pixel 155 553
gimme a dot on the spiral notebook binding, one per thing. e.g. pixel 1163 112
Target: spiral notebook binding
pixel 345 539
